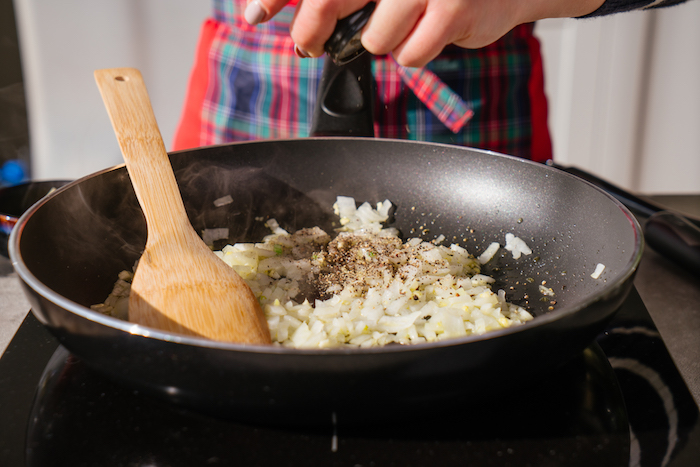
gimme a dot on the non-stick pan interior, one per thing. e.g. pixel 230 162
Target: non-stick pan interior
pixel 79 239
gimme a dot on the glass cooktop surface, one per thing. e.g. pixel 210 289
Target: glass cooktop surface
pixel 621 402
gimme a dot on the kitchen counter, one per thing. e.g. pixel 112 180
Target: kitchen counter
pixel 13 304
pixel 671 295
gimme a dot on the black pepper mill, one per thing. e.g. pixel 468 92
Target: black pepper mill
pixel 345 100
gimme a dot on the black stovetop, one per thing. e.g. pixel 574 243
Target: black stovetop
pixel 621 402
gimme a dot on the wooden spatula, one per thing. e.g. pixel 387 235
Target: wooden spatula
pixel 180 285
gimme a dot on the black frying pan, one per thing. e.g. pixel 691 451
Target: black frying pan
pixel 69 248
pixel 16 199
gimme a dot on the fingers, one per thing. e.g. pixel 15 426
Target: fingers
pixel 390 24
pixel 425 42
pixel 259 11
pixel 418 30
pixel 414 31
pixel 315 20
pixel 409 29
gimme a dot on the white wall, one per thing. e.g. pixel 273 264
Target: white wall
pixel 624 96
pixel 63 42
pixel 670 152
pixel 624 91
pixel 593 73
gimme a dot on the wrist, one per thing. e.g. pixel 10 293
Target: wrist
pixel 534 10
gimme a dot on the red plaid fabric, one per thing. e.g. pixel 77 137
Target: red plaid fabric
pixel 247 83
pixel 442 101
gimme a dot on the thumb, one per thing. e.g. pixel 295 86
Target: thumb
pixel 259 11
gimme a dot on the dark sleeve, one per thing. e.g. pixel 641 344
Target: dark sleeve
pixel 618 6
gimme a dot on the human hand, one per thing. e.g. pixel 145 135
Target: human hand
pixel 415 31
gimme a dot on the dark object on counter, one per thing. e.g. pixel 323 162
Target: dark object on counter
pixel 16 199
pixel 95 229
pixel 675 237
pixel 669 233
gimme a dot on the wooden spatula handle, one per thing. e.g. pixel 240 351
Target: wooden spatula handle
pixel 142 147
pixel 179 285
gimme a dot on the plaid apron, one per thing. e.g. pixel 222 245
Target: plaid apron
pixel 247 84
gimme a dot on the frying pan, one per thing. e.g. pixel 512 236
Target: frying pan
pixel 16 199
pixel 69 248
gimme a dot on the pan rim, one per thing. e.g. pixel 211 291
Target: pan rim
pixel 150 333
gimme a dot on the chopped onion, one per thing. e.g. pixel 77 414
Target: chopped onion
pixel 516 246
pixel 489 253
pixel 211 235
pixel 599 268
pixel 223 201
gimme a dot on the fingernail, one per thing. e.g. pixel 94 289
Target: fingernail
pixel 254 13
pixel 301 53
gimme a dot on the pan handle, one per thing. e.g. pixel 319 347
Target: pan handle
pixel 670 234
pixel 675 237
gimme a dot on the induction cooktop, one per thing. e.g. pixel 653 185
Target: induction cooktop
pixel 621 402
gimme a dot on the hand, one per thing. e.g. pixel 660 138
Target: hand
pixel 416 31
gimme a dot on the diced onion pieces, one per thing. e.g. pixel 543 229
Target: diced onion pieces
pixel 211 235
pixel 489 253
pixel 275 227
pixel 223 201
pixel 438 294
pixel 516 246
pixel 435 291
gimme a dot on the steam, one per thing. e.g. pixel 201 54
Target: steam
pixel 82 236
pixel 241 199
